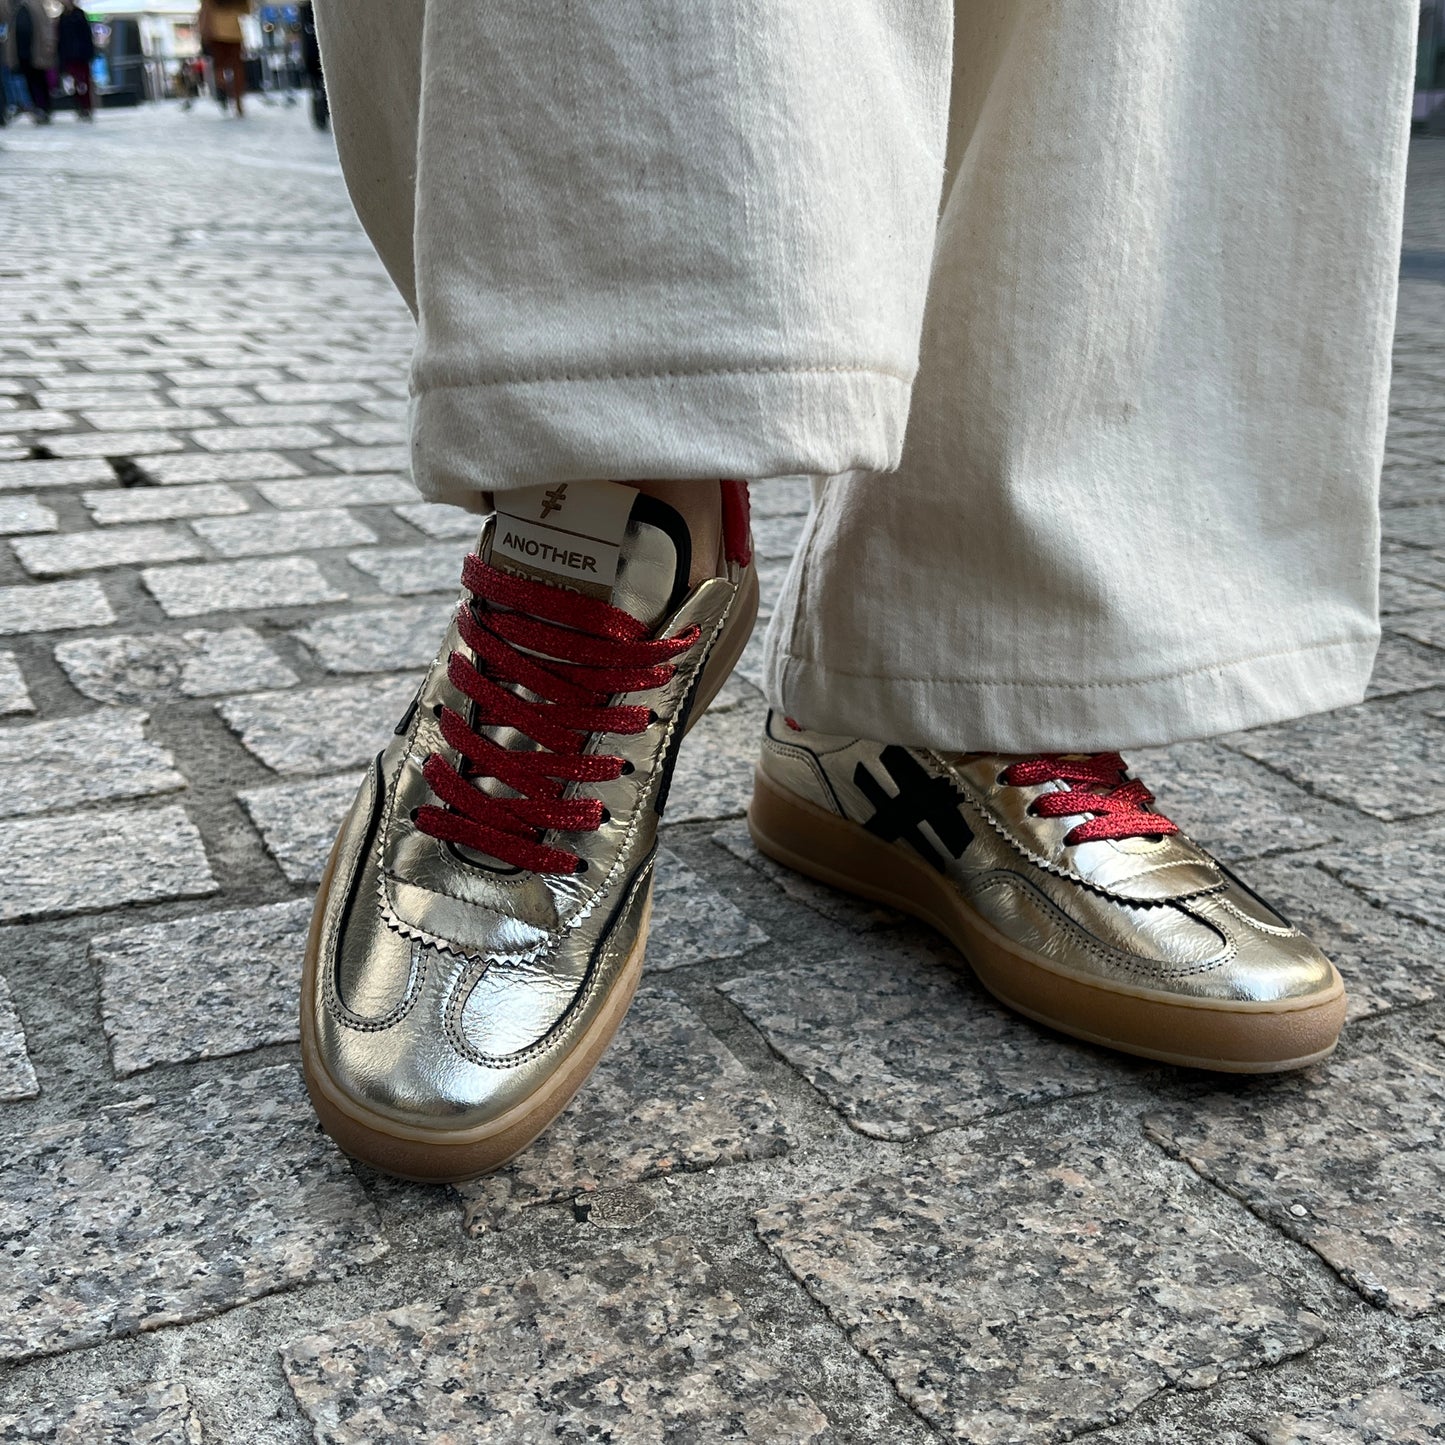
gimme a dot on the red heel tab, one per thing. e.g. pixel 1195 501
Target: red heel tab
pixel 737 523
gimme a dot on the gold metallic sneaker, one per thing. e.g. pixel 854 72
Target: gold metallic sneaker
pixel 1075 902
pixel 480 926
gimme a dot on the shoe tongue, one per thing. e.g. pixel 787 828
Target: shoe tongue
pixel 602 539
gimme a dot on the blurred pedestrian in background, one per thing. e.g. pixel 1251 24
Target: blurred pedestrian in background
pixel 75 54
pixel 311 59
pixel 30 50
pixel 222 38
pixel 188 81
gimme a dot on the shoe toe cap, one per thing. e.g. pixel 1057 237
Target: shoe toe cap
pixel 1271 961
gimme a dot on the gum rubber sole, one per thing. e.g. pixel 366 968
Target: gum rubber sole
pixel 453 1156
pixel 1239 1038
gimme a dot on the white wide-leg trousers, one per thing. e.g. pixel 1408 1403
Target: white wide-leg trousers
pixel 1079 310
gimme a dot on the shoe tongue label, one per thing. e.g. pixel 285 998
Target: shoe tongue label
pixel 568 535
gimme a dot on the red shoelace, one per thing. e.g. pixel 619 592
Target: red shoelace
pixel 1118 805
pixel 575 654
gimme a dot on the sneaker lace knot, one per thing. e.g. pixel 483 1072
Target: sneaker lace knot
pixel 569 655
pixel 1099 785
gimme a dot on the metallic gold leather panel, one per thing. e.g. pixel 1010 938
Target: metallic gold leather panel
pixel 1159 915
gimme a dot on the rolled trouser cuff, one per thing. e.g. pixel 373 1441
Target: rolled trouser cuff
pixel 959 714
pixel 749 422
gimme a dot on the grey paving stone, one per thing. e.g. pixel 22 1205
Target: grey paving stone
pixel 372 433
pixel 1399 594
pixel 25 476
pixel 314 729
pixel 998 1294
pixel 1422 526
pixel 855 913
pixel 361 491
pixel 141 381
pixel 776 538
pixel 154 1414
pixel 245 438
pixel 14 695
pixel 781 497
pixel 17 1074
pixel 1425 567
pixel 25 514
pixel 1346 1157
pixel 221 467
pixel 143 1214
pixel 377 370
pixel 750 664
pixel 1387 962
pixel 405 571
pixel 122 360
pixel 225 376
pixel 1399 873
pixel 902 1043
pixel 67 761
pixel 304 391
pixel 201 987
pixel 164 504
pixel 668 1356
pixel 154 414
pixel 1384 758
pixel 770 577
pixel 692 922
pixel 161 666
pixel 736 692
pixel 1404 666
pixel 210 395
pixel 190 591
pixel 392 408
pixel 1409 1411
pixel 298 821
pixel 1428 627
pixel 714 774
pixel 91 551
pixel 114 444
pixel 667 1096
pixel 1407 486
pixel 1419 448
pixel 97 398
pixel 282 532
pixel 378 639
pixel 252 414
pixel 365 459
pixel 35 424
pixel 98 860
pixel 450 523
pixel 54 607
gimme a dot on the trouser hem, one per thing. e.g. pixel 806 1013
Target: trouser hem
pixel 969 715
pixel 753 422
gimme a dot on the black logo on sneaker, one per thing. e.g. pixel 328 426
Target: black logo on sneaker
pixel 921 798
pixel 552 501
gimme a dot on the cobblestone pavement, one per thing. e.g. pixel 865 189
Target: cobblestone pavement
pixel 822 1189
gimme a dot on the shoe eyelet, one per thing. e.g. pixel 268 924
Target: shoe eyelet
pixel 437 710
pixel 652 718
pixel 606 817
pixel 628 768
pixel 415 812
pixel 581 866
